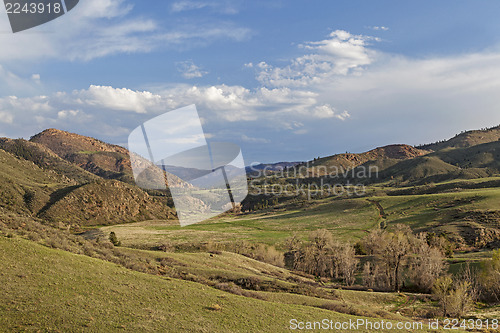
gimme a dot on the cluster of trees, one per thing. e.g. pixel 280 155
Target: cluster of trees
pixel 402 259
pixel 395 260
pixel 324 257
pixel 264 204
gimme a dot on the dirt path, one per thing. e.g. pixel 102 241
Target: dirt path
pixel 379 207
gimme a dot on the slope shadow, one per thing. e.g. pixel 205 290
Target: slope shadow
pixel 56 196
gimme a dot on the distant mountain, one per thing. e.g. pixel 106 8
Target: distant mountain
pixel 466 139
pixel 271 166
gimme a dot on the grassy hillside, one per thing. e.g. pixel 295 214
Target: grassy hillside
pixel 51 290
pixel 466 139
pixel 104 202
pixel 347 161
pixel 34 182
pixel 24 186
pixel 46 159
pixel 451 163
pixel 100 158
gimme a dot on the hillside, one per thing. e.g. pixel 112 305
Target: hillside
pixel 100 158
pixel 104 202
pixel 95 156
pixel 207 277
pixel 340 162
pixel 24 186
pixel 53 290
pixel 466 139
pixel 48 192
pixel 451 163
pixel 46 159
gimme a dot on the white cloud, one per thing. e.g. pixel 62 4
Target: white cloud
pixel 327 111
pixel 225 7
pixel 89 31
pixel 377 28
pixel 6 117
pixel 90 110
pixel 189 36
pixel 324 111
pixel 344 115
pixel 67 113
pixel 120 99
pixel 99 28
pixel 253 140
pixel 189 70
pixel 340 54
pixel 11 83
pixel 390 99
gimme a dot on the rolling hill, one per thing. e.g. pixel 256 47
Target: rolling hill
pixel 100 158
pixel 46 159
pixel 36 182
pixel 95 156
pixel 466 139
pixel 52 290
pixel 340 162
pixel 59 184
pixel 478 161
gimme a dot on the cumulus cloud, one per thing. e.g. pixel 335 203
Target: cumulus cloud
pixel 189 70
pixel 67 113
pixel 120 99
pixel 340 54
pixel 327 111
pixel 92 108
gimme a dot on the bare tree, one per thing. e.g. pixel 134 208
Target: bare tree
pixel 373 241
pixel 426 265
pixel 394 254
pixel 348 264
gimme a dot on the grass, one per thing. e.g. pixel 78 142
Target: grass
pixel 347 219
pixel 44 289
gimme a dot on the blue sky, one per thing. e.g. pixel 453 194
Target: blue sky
pixel 286 80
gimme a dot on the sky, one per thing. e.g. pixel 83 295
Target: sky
pixel 286 80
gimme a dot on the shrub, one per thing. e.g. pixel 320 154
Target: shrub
pixel 215 307
pixel 113 239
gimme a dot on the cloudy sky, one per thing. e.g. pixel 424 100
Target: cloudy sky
pixel 286 80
